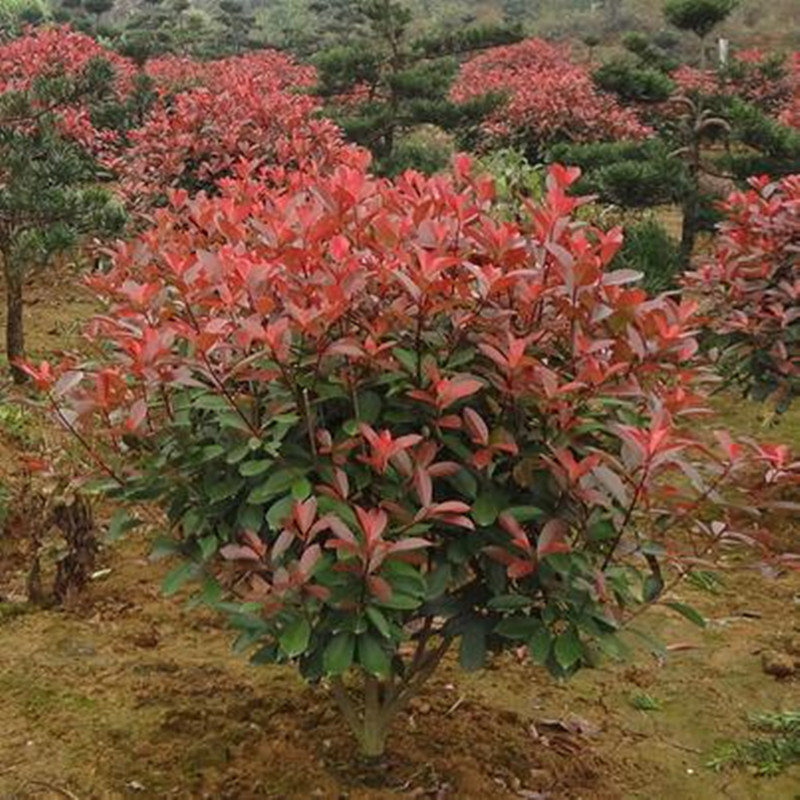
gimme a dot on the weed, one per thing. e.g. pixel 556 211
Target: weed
pixel 645 702
pixel 776 747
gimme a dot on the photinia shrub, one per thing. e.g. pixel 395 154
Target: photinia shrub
pixel 548 98
pixel 750 289
pixel 214 117
pixel 383 424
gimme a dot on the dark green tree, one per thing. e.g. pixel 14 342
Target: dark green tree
pixel 698 16
pixel 50 191
pixel 385 83
pixel 236 23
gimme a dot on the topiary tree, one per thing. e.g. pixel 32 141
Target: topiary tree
pixel 385 425
pixel 384 83
pixel 633 83
pixel 698 16
pixel 49 159
pixel 236 24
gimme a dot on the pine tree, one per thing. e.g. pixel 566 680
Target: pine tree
pixel 700 17
pixel 49 184
pixel 384 83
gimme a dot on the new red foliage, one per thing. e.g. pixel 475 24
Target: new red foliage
pixel 549 97
pixel 48 53
pixel 772 84
pixel 243 110
pixel 751 290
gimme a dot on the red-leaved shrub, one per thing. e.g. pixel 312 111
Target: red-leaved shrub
pixel 382 422
pixel 548 98
pixel 243 110
pixel 751 289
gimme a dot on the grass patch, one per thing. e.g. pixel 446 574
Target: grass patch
pixel 774 748
pixel 645 702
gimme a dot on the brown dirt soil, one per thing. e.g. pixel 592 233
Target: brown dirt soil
pixel 131 695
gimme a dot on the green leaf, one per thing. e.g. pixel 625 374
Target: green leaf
pixel 692 614
pixel 407 358
pixel 472 651
pixel 178 577
pixel 225 489
pixel 509 602
pixel 121 522
pixel 250 469
pixel 233 420
pixel 401 602
pixel 338 655
pixel 279 511
pixel 540 645
pixel 437 581
pixel 518 627
pixel 295 636
pixel 652 588
pixel 613 647
pixel 568 649
pixel 379 621
pixel 211 402
pixel 208 546
pixel 212 451
pixel 277 483
pixel 525 513
pixel 250 518
pixel 164 548
pixel 301 489
pixel 484 510
pixel 265 655
pixel 372 657
pixel 237 454
pixel 369 407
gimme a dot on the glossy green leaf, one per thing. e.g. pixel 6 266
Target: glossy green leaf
pixel 372 656
pixel 379 621
pixel 178 577
pixel 686 611
pixel 295 636
pixel 338 655
pixel 568 649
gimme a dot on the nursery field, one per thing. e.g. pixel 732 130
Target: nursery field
pixel 399 399
pixel 129 694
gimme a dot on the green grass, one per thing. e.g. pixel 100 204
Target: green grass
pixel 774 748
pixel 645 702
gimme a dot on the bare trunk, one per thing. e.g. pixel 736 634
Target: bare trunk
pixel 691 210
pixel 384 700
pixel 15 334
pixel 377 720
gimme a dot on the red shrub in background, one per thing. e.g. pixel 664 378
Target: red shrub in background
pixel 549 98
pixel 772 84
pixel 269 69
pixel 751 290
pixel 384 422
pixel 244 109
pixel 47 53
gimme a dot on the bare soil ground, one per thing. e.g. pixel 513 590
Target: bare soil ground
pixel 127 694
